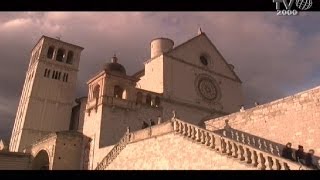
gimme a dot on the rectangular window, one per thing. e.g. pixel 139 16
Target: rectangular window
pixel 56 76
pixel 45 73
pixel 53 74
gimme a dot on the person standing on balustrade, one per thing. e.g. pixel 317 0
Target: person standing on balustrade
pixel 300 155
pixel 287 152
pixel 310 160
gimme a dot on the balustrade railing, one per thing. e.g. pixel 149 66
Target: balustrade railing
pixel 256 142
pixel 251 140
pixel 114 152
pixel 252 152
pixel 236 146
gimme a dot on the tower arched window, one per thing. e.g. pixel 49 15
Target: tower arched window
pixel 50 52
pixel 118 91
pixel 96 92
pixel 148 99
pixel 59 74
pixel 60 55
pixel 157 101
pixel 69 57
pixel 45 72
pixel 139 98
pixel 56 75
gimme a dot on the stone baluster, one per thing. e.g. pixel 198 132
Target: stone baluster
pixel 237 136
pixel 265 145
pixel 223 145
pixel 176 125
pixel 217 143
pixel 208 139
pixel 285 166
pixel 269 163
pixel 229 148
pixel 203 137
pixel 259 143
pixel 271 148
pixel 189 131
pixel 198 135
pixel 181 128
pixel 242 153
pixel 255 158
pixel 185 129
pixel 277 151
pixel 235 150
pixel 253 141
pixel 212 141
pixel 192 132
pixel 277 165
pixel 243 139
pixel 232 134
pixel 248 140
pixel 248 157
pixel 261 162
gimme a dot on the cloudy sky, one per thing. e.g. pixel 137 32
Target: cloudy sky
pixel 274 56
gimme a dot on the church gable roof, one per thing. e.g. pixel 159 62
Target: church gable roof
pixel 197 46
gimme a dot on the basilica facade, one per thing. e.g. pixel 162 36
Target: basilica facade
pixel 181 89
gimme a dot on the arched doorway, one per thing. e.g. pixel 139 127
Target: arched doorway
pixel 41 161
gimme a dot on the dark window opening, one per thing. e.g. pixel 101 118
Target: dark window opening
pixel 45 73
pixel 59 74
pixel 50 52
pixel 96 92
pixel 69 57
pixel 148 99
pixel 60 55
pixel 48 75
pixel 118 91
pixel 157 101
pixel 53 74
pixel 204 60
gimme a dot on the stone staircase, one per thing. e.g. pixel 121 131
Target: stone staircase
pixel 115 151
pixel 225 146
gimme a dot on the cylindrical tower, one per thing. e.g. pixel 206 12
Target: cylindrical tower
pixel 160 46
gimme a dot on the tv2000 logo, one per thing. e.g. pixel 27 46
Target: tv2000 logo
pixel 301 4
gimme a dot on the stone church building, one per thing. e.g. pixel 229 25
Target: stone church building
pixel 183 110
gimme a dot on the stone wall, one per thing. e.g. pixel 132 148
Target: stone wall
pixel 292 119
pixel 68 151
pixel 14 161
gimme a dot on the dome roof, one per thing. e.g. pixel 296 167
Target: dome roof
pixel 114 67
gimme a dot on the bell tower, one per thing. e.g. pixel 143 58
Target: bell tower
pixel 48 93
